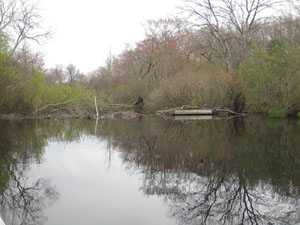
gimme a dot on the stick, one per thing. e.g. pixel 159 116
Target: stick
pixel 97 113
pixel 56 104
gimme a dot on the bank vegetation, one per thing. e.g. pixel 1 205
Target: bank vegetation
pixel 242 55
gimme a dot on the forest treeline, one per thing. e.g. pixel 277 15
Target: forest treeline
pixel 243 55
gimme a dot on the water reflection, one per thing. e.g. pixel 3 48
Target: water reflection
pixel 239 171
pixel 233 172
pixel 23 198
pixel 23 201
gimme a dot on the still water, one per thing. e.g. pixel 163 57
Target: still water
pixel 150 171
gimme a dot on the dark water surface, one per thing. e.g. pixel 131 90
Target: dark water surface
pixel 150 171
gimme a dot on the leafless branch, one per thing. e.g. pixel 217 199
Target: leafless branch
pixel 21 21
pixel 227 26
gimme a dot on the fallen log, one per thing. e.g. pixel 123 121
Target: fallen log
pixel 197 111
pixel 186 112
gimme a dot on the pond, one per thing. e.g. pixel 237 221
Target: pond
pixel 150 170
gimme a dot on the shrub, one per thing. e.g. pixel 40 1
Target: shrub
pixel 205 84
pixel 275 113
pixel 270 78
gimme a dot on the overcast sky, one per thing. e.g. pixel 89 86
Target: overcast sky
pixel 85 30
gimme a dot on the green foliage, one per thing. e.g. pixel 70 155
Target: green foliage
pixel 298 114
pixel 194 98
pixel 4 47
pixel 10 81
pixel 275 113
pixel 39 94
pixel 37 91
pixel 270 78
pixel 24 88
pixel 63 93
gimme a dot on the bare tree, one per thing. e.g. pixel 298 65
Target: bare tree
pixel 58 73
pixel 21 21
pixel 73 74
pixel 226 27
pixel 7 13
pixel 28 62
pixel 294 7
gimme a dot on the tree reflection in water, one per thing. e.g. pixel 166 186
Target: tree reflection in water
pixel 232 172
pixel 213 172
pixel 223 198
pixel 23 199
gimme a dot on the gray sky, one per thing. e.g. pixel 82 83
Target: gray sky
pixel 85 30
